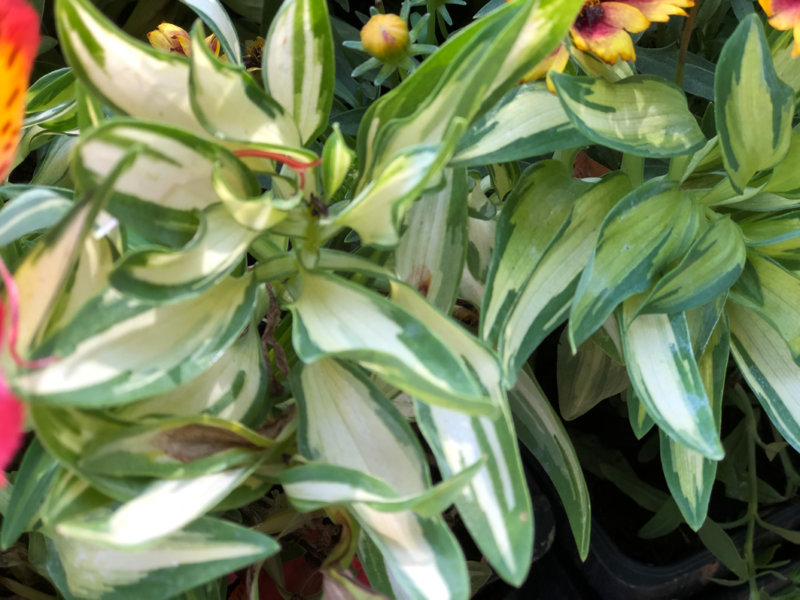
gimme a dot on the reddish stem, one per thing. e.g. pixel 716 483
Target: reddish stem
pixel 298 166
pixel 13 305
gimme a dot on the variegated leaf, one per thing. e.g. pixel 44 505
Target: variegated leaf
pixel 298 66
pixel 170 178
pixel 529 222
pixel 769 369
pixel 333 317
pixel 540 126
pixel 128 75
pixel 431 253
pixel 218 21
pixel 540 429
pixel 644 115
pixel 421 555
pixel 711 265
pixel 665 375
pixel 745 84
pixel 645 231
pixel 544 301
pixel 337 158
pixel 118 349
pixel 689 474
pixel 231 105
pixel 32 211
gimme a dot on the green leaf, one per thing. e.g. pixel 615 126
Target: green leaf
pixel 33 211
pixel 540 429
pixel 355 426
pixel 316 485
pixel 539 125
pixel 772 291
pixel 233 388
pixel 770 228
pixel 163 509
pixel 337 158
pixel 51 98
pixel 202 551
pixel 333 317
pixel 231 105
pixel 529 222
pixel 130 76
pixel 218 21
pixel 170 178
pixel 644 232
pixel 666 378
pixel 33 481
pixel 298 65
pixel 161 275
pixel 769 369
pixel 745 84
pixel 543 301
pixel 690 476
pixel 377 210
pixel 175 447
pixel 431 252
pixel 784 180
pixel 711 265
pixel 720 544
pixel 495 506
pixel 488 58
pixel 586 377
pixel 641 422
pixel 118 349
pixel 643 115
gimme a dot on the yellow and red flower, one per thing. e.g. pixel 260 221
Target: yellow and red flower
pixel 784 15
pixel 171 38
pixel 603 27
pixel 19 40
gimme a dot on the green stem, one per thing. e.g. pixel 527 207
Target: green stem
pixel 633 167
pixel 677 167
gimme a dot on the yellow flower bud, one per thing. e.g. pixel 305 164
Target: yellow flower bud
pixel 169 37
pixel 386 38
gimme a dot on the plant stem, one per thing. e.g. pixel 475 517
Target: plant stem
pixel 633 167
pixel 685 38
pixel 677 167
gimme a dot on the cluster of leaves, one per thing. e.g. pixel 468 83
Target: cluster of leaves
pixel 250 287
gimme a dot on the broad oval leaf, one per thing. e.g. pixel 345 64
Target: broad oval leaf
pixel 665 375
pixel 645 231
pixel 643 115
pixel 745 84
pixel 298 65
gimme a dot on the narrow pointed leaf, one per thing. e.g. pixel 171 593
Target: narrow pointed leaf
pixel 644 115
pixel 336 318
pixel 431 253
pixel 108 354
pixel 540 126
pixel 544 301
pixel 769 369
pixel 32 211
pixel 711 265
pixel 540 429
pixel 645 231
pixel 745 84
pixel 298 65
pixel 665 375
pixel 641 422
pixel 690 475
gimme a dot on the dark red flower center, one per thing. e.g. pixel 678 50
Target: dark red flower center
pixel 590 15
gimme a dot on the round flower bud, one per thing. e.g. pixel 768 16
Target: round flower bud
pixel 386 38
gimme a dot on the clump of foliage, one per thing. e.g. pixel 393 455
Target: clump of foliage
pixel 239 284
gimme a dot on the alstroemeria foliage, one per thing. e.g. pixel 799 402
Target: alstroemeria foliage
pixel 250 282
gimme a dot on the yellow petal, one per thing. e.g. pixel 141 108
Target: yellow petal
pixel 661 10
pixel 555 61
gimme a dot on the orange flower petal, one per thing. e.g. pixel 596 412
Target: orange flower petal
pixel 555 61
pixel 661 10
pixel 19 40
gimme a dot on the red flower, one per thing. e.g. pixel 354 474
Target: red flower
pixel 784 15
